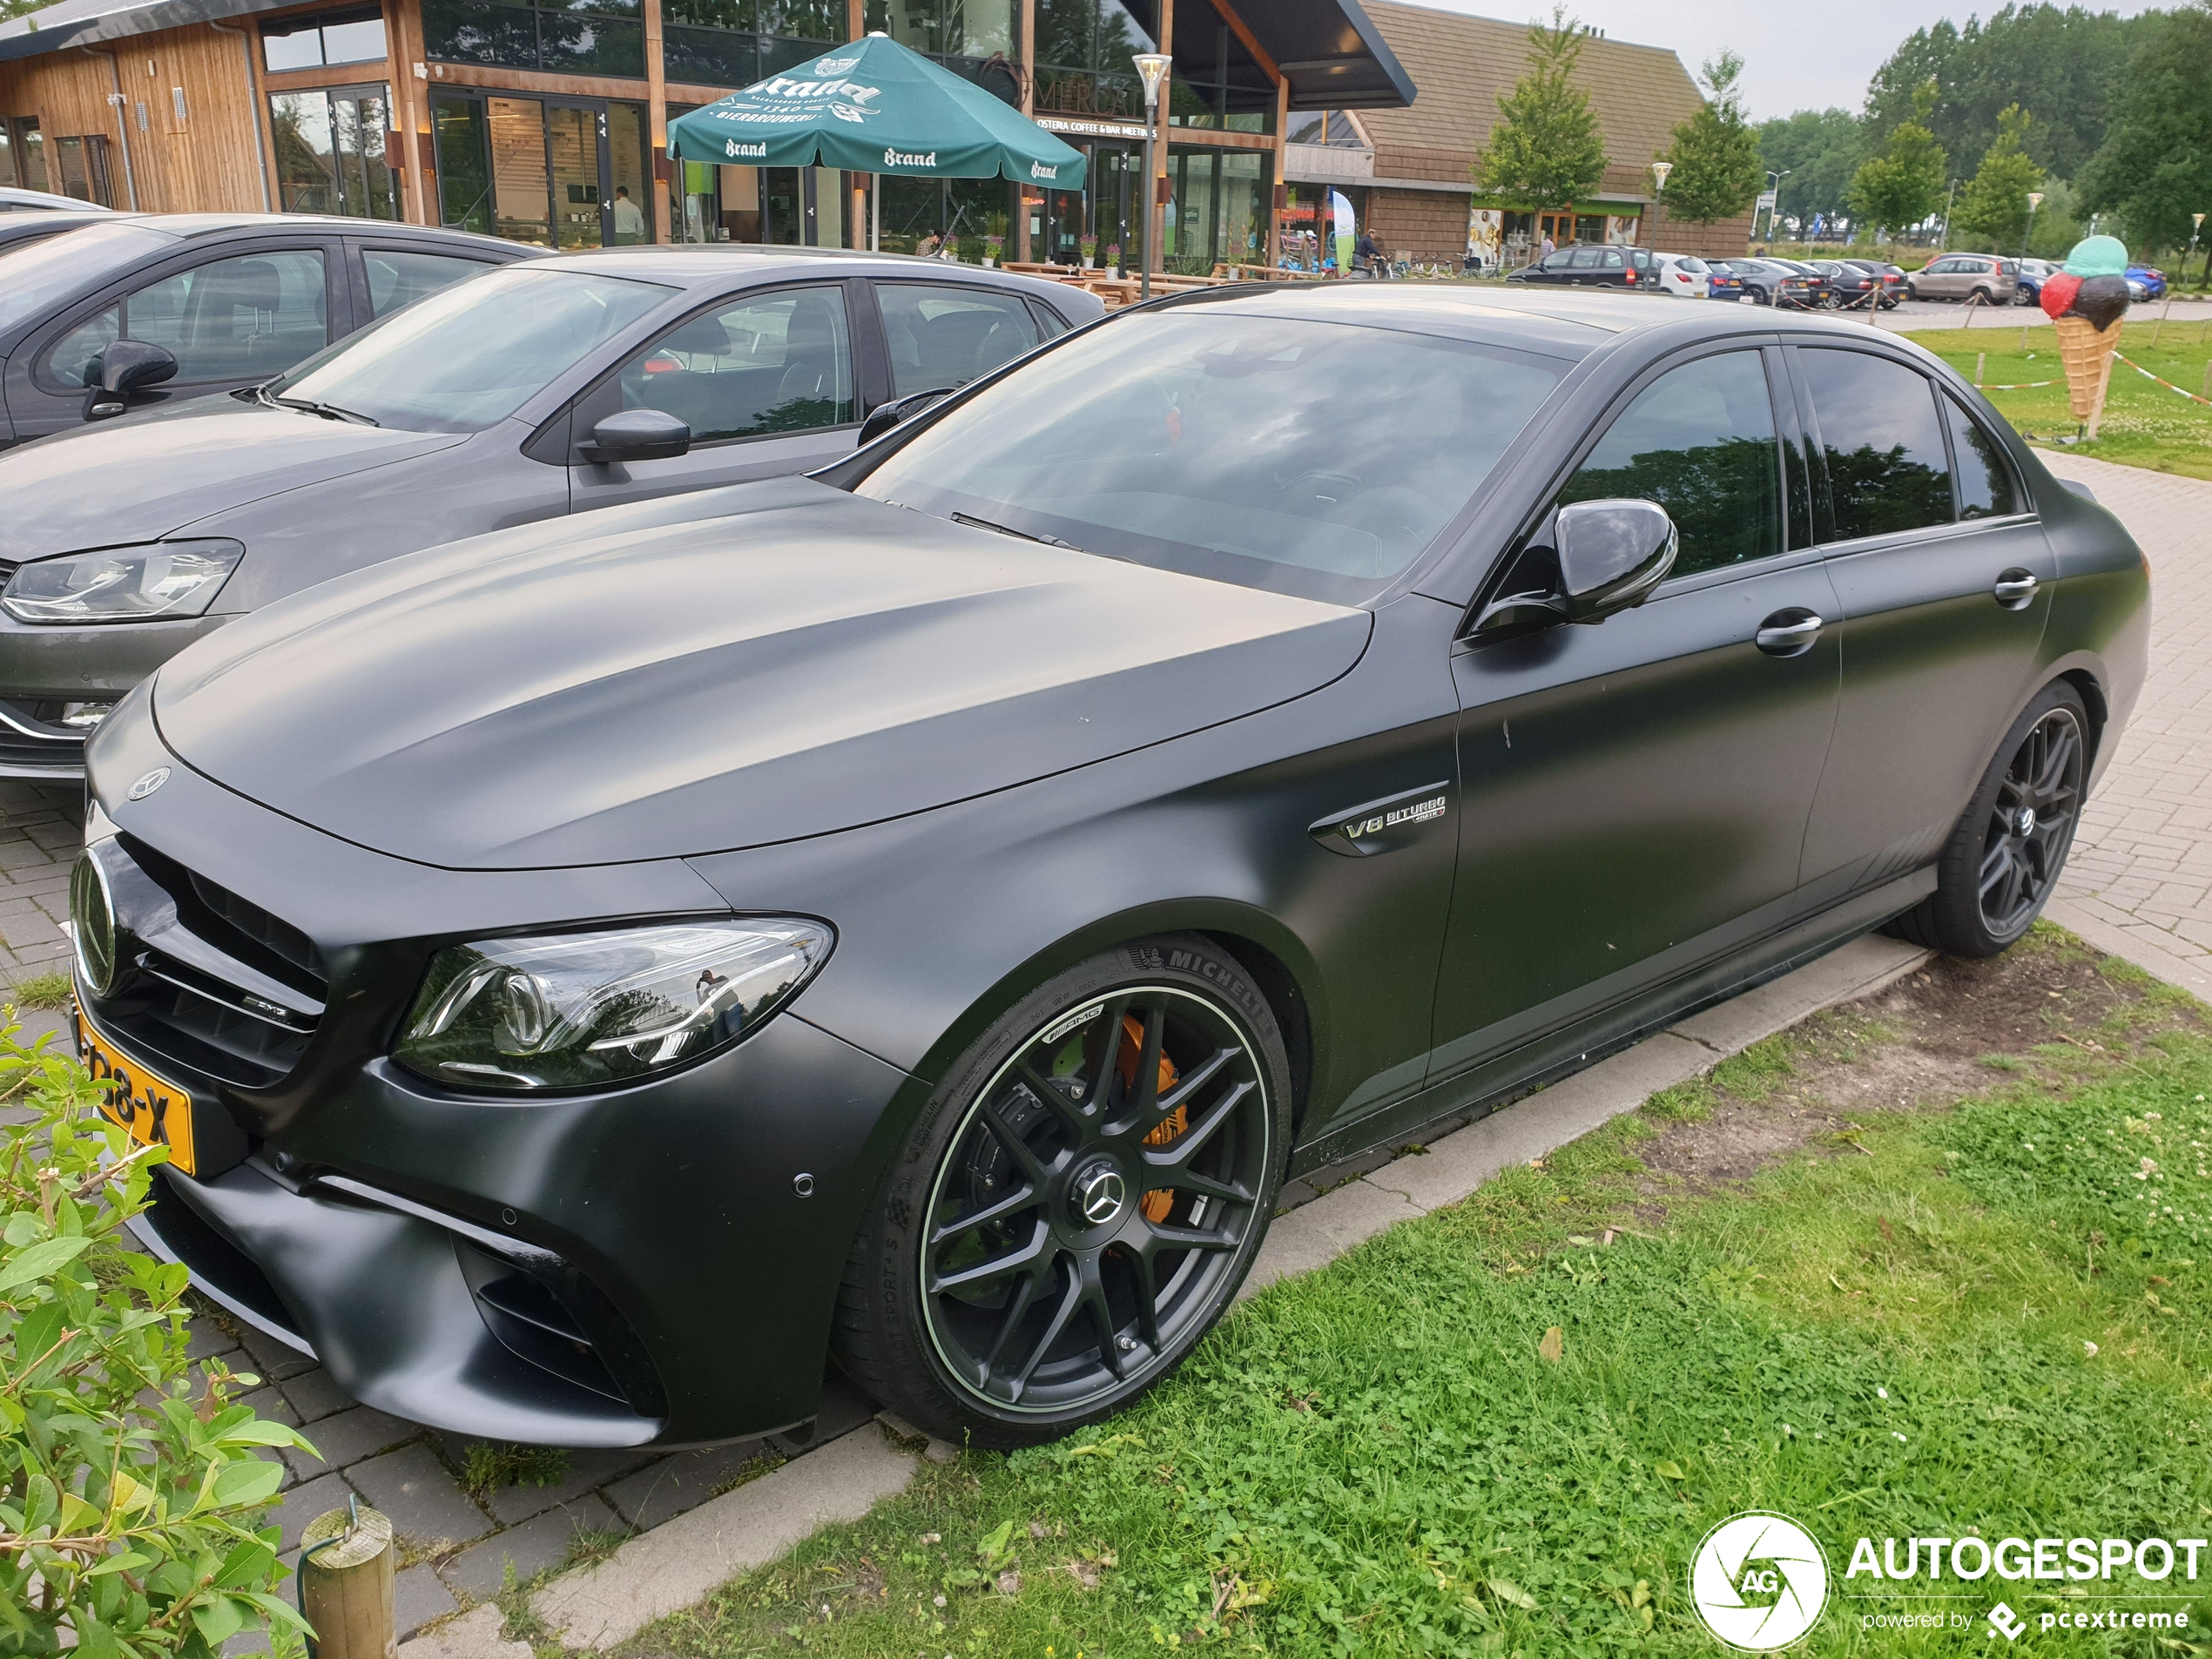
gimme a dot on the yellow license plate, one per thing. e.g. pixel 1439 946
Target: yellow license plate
pixel 154 1111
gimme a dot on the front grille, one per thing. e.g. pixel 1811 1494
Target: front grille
pixel 208 979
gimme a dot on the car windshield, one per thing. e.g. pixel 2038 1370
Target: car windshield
pixel 469 355
pixel 1311 457
pixel 36 274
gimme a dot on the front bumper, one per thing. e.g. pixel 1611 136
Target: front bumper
pixel 43 665
pixel 638 1265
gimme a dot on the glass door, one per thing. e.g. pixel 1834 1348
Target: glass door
pixel 575 142
pixel 521 195
pixel 330 151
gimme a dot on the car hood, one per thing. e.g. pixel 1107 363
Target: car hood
pixel 802 661
pixel 179 466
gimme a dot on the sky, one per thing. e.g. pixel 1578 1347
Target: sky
pixel 1796 55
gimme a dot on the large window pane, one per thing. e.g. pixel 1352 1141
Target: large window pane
pixel 520 202
pixel 710 57
pixel 626 152
pixel 778 363
pixel 571 43
pixel 1985 487
pixel 1887 470
pixel 236 319
pixel 307 172
pixel 1699 441
pixel 464 174
pixel 942 335
pixel 468 31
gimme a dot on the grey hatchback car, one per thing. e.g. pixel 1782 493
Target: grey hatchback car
pixel 549 387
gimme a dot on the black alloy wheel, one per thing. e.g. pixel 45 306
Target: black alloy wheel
pixel 2004 859
pixel 1078 1204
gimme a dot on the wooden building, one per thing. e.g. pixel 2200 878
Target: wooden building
pixel 546 120
pixel 1408 168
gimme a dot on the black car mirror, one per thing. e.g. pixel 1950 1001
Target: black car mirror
pixel 1612 554
pixel 127 367
pixel 899 411
pixel 636 435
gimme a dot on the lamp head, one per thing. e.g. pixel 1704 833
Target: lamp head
pixel 2034 199
pixel 1659 170
pixel 1153 66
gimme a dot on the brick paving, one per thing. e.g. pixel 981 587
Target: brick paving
pixel 457 1548
pixel 2142 860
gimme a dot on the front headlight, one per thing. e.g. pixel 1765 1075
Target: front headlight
pixel 589 1009
pixel 142 583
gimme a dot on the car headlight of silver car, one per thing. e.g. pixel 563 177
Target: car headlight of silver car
pixel 153 582
pixel 589 1009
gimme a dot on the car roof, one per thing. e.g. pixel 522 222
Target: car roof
pixel 691 263
pixel 1554 321
pixel 186 226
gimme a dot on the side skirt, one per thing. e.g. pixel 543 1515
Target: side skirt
pixel 1498 1082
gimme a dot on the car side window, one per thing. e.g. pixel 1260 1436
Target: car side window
pixel 1985 487
pixel 1700 440
pixel 1610 260
pixel 398 278
pixel 770 363
pixel 943 335
pixel 1887 470
pixel 236 319
pixel 1585 259
pixel 1560 260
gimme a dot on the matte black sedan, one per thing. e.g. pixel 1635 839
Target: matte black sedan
pixel 204 302
pixel 544 388
pixel 921 911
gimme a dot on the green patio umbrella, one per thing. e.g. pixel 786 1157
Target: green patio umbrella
pixel 872 105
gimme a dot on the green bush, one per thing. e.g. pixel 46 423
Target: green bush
pixel 131 1492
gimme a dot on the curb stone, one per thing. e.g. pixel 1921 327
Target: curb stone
pixel 674 1566
pixel 2079 915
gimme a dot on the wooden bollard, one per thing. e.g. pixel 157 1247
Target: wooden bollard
pixel 346 1570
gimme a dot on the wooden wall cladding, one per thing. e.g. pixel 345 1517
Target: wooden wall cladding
pixel 187 117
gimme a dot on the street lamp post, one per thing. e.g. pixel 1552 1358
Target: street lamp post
pixel 2197 224
pixel 2034 201
pixel 1153 66
pixel 1774 179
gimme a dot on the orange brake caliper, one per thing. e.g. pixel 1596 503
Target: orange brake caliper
pixel 1156 1203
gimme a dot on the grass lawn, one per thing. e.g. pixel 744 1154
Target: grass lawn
pixel 2144 425
pixel 1927 1267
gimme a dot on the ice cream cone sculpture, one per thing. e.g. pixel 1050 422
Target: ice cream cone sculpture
pixel 2087 302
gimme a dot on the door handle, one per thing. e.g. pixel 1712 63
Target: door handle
pixel 2014 589
pixel 1789 633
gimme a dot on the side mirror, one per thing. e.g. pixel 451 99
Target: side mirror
pixel 899 410
pixel 636 435
pixel 1611 555
pixel 127 367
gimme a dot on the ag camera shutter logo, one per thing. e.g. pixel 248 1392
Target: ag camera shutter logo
pixel 1759 1581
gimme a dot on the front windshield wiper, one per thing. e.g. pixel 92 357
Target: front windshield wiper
pixel 329 411
pixel 1008 529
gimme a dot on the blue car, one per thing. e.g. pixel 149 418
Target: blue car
pixel 2033 274
pixel 1724 284
pixel 2146 282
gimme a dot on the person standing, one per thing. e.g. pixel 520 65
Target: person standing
pixel 1548 249
pixel 629 219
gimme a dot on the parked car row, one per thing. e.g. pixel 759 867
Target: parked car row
pixel 949 892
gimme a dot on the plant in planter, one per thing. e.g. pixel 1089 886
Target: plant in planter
pixel 1089 249
pixel 131 1493
pixel 994 249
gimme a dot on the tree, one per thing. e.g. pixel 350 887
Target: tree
pixel 1548 151
pixel 1993 208
pixel 1717 170
pixel 1904 185
pixel 2155 167
pixel 1816 151
pixel 2066 65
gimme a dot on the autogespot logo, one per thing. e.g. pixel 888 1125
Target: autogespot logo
pixel 1759 1581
